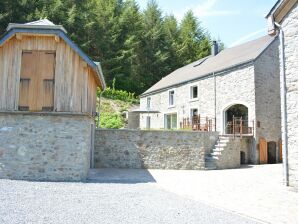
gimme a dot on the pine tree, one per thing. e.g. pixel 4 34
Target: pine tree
pixel 155 54
pixel 193 39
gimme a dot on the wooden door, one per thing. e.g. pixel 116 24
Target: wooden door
pixel 280 151
pixel 263 151
pixel 37 81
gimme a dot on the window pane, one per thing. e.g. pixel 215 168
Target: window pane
pixel 171 98
pixel 174 121
pixel 148 102
pixel 195 92
pixel 168 121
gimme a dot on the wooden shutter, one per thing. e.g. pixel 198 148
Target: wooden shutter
pixel 27 81
pixel 46 70
pixel 37 81
pixel 263 151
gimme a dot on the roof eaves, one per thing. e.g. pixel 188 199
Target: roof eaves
pixel 274 8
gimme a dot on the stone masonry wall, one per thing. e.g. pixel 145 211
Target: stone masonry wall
pixel 268 110
pixel 44 147
pixel 290 28
pixel 240 81
pixel 230 156
pixel 152 149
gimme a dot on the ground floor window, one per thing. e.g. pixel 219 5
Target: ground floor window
pixel 148 122
pixel 171 121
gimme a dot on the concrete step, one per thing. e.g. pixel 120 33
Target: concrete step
pixel 215 153
pixel 221 145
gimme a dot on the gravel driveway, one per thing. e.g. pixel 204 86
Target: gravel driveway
pixel 120 200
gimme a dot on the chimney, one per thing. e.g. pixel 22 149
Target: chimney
pixel 214 48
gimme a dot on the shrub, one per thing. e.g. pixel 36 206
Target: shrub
pixel 112 93
pixel 111 121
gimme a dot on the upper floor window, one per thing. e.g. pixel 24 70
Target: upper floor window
pixel 171 98
pixel 193 92
pixel 148 102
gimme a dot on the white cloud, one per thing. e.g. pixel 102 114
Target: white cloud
pixel 205 9
pixel 247 37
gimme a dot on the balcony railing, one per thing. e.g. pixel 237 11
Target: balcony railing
pixel 198 123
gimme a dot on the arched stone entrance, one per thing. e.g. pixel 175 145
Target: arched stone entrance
pixel 233 116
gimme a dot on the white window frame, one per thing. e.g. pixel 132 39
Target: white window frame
pixel 174 100
pixel 166 121
pixel 148 101
pixel 191 92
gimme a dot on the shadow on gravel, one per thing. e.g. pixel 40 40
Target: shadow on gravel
pixel 120 176
pixel 246 166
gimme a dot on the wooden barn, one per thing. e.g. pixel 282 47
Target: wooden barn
pixel 47 103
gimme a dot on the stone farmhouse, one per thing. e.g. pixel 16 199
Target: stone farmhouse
pixel 47 104
pixel 235 92
pixel 283 20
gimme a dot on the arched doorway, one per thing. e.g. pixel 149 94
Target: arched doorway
pixel 233 116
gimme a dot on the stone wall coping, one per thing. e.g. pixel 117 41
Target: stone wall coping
pixel 42 113
pixel 160 131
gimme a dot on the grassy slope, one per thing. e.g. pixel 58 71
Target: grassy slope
pixel 111 112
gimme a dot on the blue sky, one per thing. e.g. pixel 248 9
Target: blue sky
pixel 234 21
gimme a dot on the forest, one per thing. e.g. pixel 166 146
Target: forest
pixel 135 47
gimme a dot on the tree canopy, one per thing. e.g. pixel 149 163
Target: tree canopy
pixel 136 48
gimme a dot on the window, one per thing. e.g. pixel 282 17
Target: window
pixel 36 90
pixel 148 102
pixel 193 112
pixel 171 121
pixel 148 122
pixel 171 98
pixel 193 92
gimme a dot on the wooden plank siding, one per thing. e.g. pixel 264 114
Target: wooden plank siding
pixel 74 86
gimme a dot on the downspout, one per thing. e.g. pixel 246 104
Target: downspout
pixel 99 103
pixel 215 101
pixel 283 107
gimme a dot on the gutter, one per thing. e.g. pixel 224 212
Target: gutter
pixel 283 107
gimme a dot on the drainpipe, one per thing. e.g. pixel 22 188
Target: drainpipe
pixel 99 113
pixel 214 77
pixel 284 107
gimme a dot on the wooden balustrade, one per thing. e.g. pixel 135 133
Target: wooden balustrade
pixel 198 123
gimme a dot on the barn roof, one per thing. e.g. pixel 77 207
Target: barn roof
pixel 45 26
pixel 225 60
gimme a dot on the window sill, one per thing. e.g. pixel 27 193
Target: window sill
pixel 194 100
pixel 173 106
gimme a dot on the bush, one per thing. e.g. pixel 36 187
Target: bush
pixel 111 121
pixel 112 93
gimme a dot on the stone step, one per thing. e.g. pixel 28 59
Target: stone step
pixel 215 153
pixel 221 145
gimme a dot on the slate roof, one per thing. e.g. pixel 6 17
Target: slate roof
pixel 226 59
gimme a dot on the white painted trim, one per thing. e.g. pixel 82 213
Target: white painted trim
pixel 190 92
pixel 169 113
pixel 170 90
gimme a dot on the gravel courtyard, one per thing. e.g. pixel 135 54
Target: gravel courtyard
pixel 137 199
pixel 253 194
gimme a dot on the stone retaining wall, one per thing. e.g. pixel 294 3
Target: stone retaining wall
pixel 44 146
pixel 152 149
